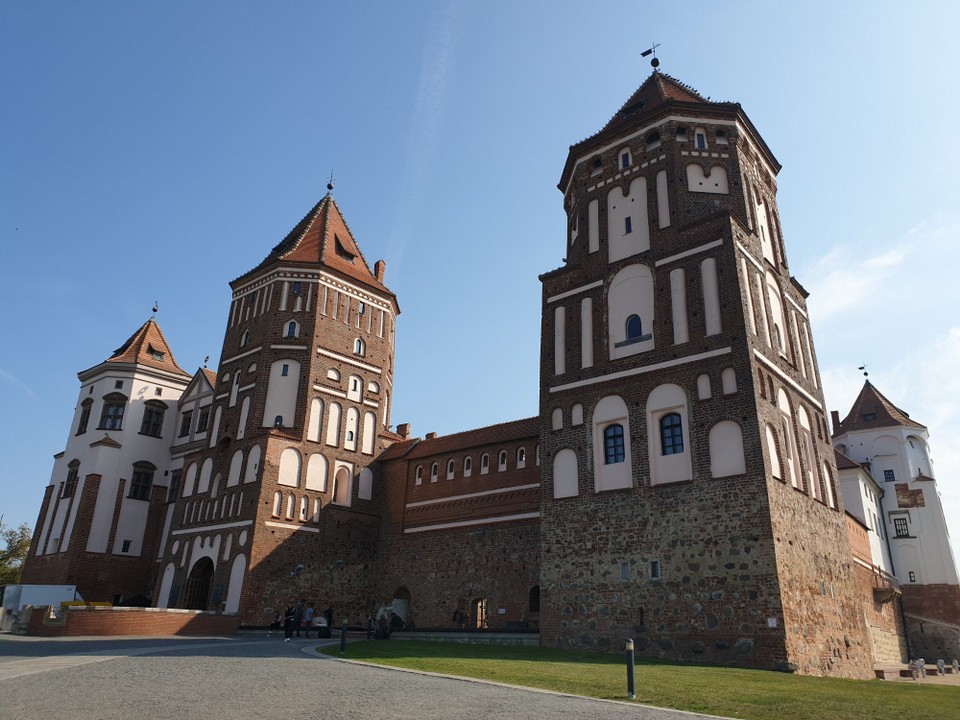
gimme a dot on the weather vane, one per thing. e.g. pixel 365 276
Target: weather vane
pixel 655 63
pixel 330 182
pixel 864 368
pixel 156 306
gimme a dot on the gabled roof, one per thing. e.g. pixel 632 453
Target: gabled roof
pixel 147 346
pixel 872 410
pixel 655 90
pixel 203 377
pixel 210 375
pixel 323 237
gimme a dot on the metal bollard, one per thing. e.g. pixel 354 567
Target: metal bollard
pixel 630 685
pixel 343 637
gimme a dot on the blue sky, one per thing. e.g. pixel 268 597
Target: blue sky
pixel 153 151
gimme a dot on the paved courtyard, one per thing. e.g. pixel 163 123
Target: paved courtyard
pixel 253 677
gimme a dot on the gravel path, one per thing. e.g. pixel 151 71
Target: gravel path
pixel 258 678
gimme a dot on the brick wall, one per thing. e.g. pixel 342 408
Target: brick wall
pixel 94 621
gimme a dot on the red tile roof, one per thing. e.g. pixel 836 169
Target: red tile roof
pixel 491 435
pixel 323 237
pixel 147 346
pixel 210 375
pixel 655 90
pixel 872 410
pixel 843 462
pixel 398 450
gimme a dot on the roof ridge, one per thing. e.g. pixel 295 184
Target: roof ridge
pixel 352 235
pixel 485 427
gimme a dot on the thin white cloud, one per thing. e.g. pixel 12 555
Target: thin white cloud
pixel 19 383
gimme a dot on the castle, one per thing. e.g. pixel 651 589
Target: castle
pixel 679 484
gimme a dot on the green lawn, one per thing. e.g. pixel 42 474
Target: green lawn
pixel 748 694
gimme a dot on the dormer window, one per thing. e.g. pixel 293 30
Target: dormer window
pixel 155 354
pixel 342 251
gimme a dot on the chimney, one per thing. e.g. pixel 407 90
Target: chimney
pixel 835 419
pixel 403 430
pixel 429 436
pixel 379 268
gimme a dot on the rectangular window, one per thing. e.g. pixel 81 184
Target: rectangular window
pixel 118 385
pixel 613 447
pixel 625 160
pixel 285 371
pixel 888 476
pixel 627 225
pixel 174 486
pixel 84 418
pixel 624 571
pixel 112 416
pixel 70 483
pixel 125 547
pixel 296 288
pixel 654 569
pixel 701 141
pixel 152 421
pixel 185 423
pixel 141 483
pixel 203 420
pixel 913 576
pixel 901 527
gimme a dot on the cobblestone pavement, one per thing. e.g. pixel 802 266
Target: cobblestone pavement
pixel 254 677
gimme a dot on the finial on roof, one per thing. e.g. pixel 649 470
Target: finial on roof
pixel 206 359
pixel 330 183
pixel 655 63
pixel 863 367
pixel 156 306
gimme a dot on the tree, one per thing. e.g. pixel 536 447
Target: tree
pixel 16 544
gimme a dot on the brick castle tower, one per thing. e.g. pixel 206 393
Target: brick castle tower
pixel 301 404
pixel 688 481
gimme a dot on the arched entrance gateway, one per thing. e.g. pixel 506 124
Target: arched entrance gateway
pixel 196 591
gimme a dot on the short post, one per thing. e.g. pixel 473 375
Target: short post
pixel 630 686
pixel 343 637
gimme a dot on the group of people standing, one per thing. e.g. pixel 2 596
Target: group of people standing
pixel 301 616
pixel 918 667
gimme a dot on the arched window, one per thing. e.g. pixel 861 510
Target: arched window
pixel 521 457
pixel 111 418
pixel 245 338
pixel 502 461
pixel 613 448
pixel 142 480
pixel 625 161
pixel 304 506
pixel 450 470
pixel 671 434
pixel 700 139
pixel 277 503
pixel 292 329
pixel 84 416
pixel 70 484
pixel 359 347
pixel 653 140
pixel 484 464
pixel 434 472
pixel 467 466
pixel 634 328
pixel 418 478
pixel 291 505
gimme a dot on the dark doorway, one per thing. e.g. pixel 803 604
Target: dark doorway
pixel 196 591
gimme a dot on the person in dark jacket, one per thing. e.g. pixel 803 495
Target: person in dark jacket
pixel 298 615
pixel 288 619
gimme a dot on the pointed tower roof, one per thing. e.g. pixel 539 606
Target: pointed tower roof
pixel 872 410
pixel 655 90
pixel 323 237
pixel 147 346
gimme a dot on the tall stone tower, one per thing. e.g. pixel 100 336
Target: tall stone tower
pixel 277 503
pixel 688 494
pixel 102 512
pixel 896 450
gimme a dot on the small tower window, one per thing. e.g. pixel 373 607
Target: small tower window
pixel 613 448
pixel 112 416
pixel 625 159
pixel 142 481
pixel 654 569
pixel 502 461
pixel 627 225
pixel 296 288
pixel 285 370
pixel 721 137
pixel 292 329
pixel 450 470
pixel 84 416
pixel 434 472
pixel 73 471
pixel 359 347
pixel 467 467
pixel 681 134
pixel 700 139
pixel 671 434
pixel 245 338
pixel 418 478
pixel 484 464
pixel 653 141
